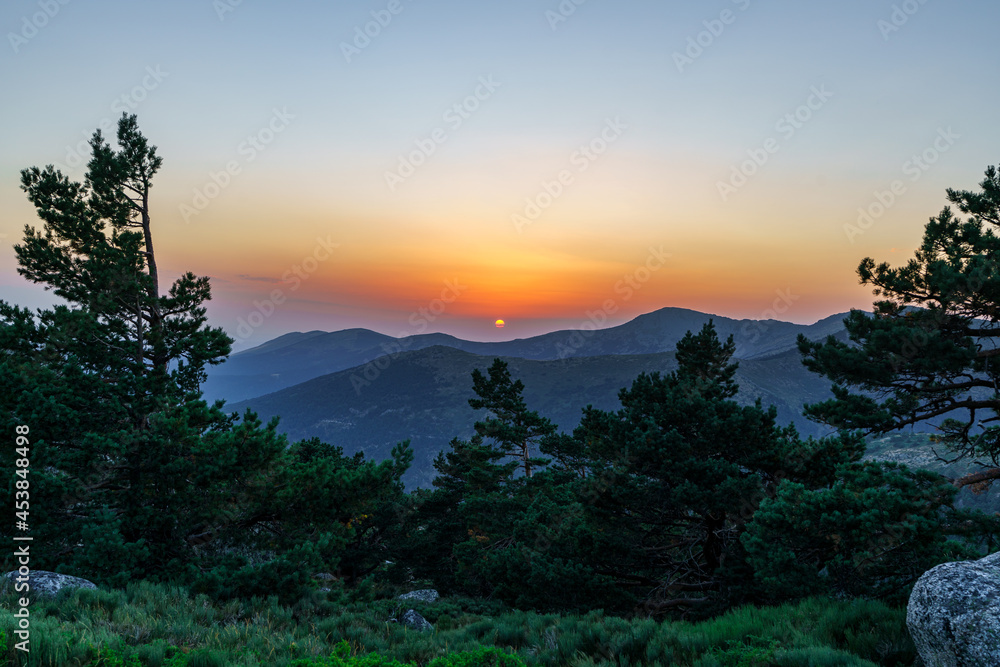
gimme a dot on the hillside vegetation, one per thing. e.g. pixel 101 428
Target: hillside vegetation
pixel 422 396
pixel 163 626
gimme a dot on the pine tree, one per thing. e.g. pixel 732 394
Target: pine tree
pixel 477 493
pixel 131 470
pixel 929 352
pixel 322 511
pixel 470 496
pixel 513 428
pixel 675 476
pixel 871 533
pixel 923 357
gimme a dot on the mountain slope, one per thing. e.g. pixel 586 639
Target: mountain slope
pixel 423 396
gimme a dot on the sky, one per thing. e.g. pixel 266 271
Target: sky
pixel 411 166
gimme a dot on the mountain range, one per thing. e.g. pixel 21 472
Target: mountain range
pixel 297 357
pixel 366 391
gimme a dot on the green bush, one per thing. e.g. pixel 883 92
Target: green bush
pixel 341 657
pixel 109 657
pixel 753 651
pixel 484 657
pixel 819 657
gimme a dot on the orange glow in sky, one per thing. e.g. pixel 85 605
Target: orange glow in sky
pixel 584 176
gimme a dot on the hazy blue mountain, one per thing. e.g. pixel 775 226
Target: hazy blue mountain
pixel 289 360
pixel 295 358
pixel 422 395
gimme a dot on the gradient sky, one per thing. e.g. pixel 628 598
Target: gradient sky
pixel 670 98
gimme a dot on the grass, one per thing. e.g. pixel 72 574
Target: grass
pixel 152 625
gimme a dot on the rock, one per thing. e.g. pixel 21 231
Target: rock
pixel 415 621
pixel 327 577
pixel 48 583
pixel 954 614
pixel 424 595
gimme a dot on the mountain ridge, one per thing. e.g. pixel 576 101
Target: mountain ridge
pixel 301 356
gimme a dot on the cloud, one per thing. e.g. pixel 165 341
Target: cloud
pixel 262 279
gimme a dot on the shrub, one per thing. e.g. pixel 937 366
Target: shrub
pixel 819 657
pixel 341 657
pixel 754 651
pixel 483 657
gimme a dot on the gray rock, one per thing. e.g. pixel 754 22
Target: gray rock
pixel 327 577
pixel 954 614
pixel 423 595
pixel 42 582
pixel 414 621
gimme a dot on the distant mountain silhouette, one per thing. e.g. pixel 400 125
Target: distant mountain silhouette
pixel 297 357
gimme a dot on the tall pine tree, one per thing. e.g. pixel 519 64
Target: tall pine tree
pixel 677 474
pixel 478 493
pixel 930 352
pixel 132 472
